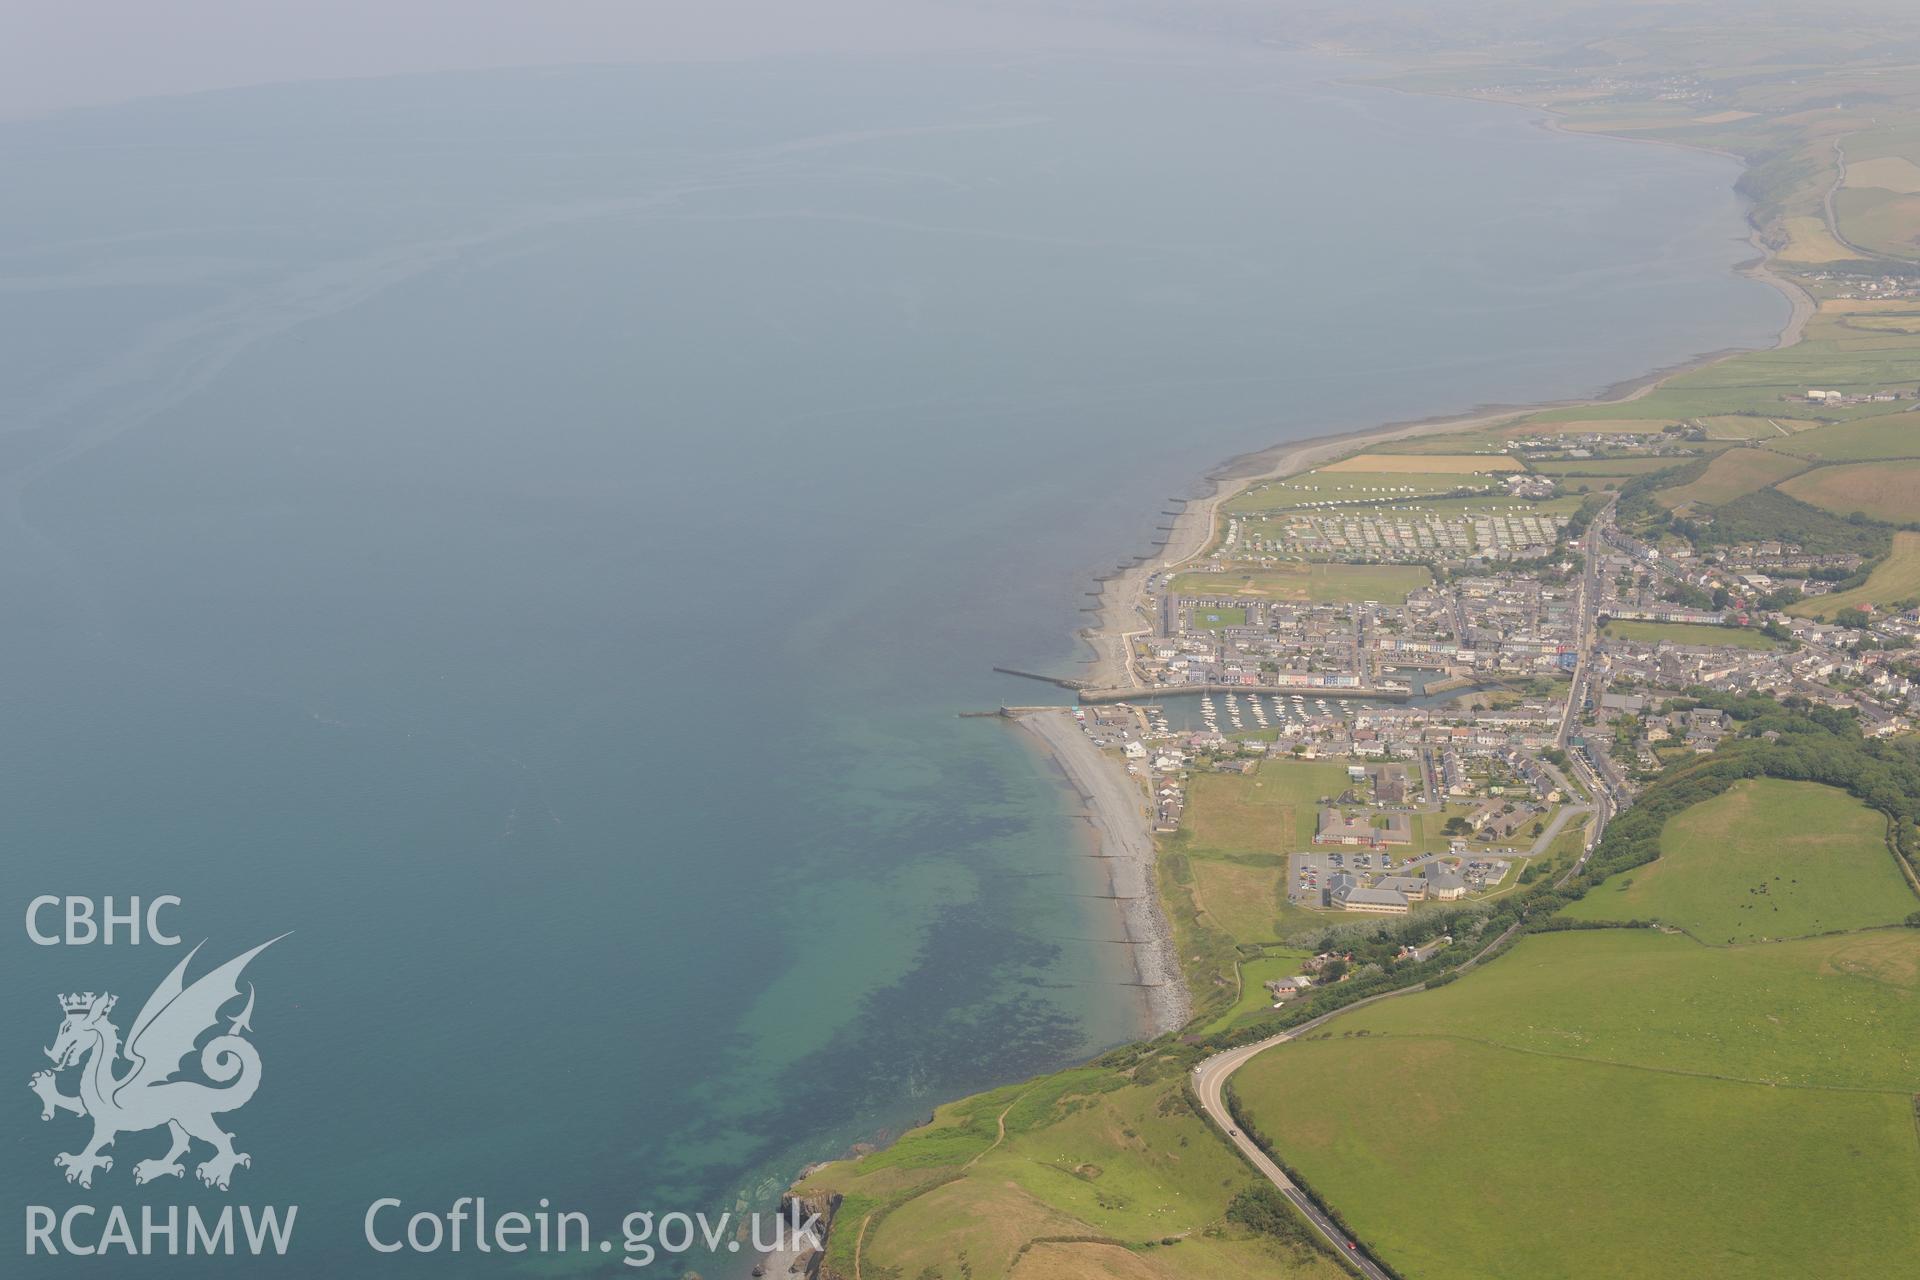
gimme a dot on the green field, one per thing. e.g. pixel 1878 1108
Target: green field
pixel 1223 877
pixel 1897 579
pixel 1242 895
pixel 1307 583
pixel 1098 1168
pixel 1769 383
pixel 1614 1070
pixel 1879 220
pixel 1733 473
pixel 1686 633
pixel 1661 1000
pixel 1887 490
pixel 1894 436
pixel 1578 468
pixel 1733 426
pixel 1270 812
pixel 1276 963
pixel 1765 860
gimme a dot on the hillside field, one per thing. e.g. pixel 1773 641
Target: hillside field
pixel 1895 580
pixel 1641 1159
pixel 1733 473
pixel 1893 436
pixel 1766 859
pixel 1888 490
pixel 1097 1169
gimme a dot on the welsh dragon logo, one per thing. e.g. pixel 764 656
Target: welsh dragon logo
pixel 145 1095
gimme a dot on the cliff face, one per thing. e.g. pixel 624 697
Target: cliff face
pixel 797 1207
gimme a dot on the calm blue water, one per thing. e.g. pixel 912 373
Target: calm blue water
pixel 529 533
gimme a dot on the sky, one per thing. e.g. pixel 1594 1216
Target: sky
pixel 60 54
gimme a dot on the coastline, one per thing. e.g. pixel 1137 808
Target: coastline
pixel 1120 614
pixel 1119 610
pixel 1113 803
pixel 1116 811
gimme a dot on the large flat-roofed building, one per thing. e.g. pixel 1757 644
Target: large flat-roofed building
pixel 1350 897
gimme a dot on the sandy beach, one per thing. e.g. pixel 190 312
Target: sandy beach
pixel 1117 810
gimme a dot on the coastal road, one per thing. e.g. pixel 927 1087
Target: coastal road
pixel 1210 1083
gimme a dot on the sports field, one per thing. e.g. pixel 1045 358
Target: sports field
pixel 1301 581
pixel 1733 473
pixel 1613 1071
pixel 1896 580
pixel 1766 859
pixel 1687 633
pixel 1212 619
pixel 1888 490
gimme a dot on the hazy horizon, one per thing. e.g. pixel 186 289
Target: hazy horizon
pixel 55 57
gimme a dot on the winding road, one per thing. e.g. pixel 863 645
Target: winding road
pixel 1210 1083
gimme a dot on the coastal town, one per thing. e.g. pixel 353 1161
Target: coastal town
pixel 1565 755
pixel 1479 658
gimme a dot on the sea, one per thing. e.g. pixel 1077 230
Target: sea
pixel 528 537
